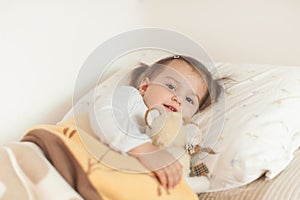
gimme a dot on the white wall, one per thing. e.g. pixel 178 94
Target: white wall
pixel 240 31
pixel 43 43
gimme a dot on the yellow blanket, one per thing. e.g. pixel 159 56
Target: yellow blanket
pixel 85 163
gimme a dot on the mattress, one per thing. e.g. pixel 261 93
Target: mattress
pixel 285 186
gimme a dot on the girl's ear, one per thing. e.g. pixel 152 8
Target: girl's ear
pixel 144 85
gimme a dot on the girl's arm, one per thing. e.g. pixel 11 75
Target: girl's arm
pixel 165 167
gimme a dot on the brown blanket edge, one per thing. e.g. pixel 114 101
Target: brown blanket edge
pixel 63 160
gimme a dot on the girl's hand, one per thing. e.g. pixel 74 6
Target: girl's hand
pixel 165 167
pixel 170 175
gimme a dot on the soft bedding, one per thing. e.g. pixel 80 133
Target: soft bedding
pixel 285 186
pixel 87 170
pixel 52 161
pixel 253 128
pixel 260 130
pixel 26 174
pixel 26 170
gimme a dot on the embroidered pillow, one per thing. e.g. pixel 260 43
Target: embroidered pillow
pixel 259 130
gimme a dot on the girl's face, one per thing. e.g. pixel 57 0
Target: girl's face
pixel 178 88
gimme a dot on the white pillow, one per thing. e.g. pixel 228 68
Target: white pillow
pixel 261 124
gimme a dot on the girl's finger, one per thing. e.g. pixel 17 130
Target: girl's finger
pixel 162 178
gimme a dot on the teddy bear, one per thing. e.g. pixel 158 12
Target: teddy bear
pixel 182 138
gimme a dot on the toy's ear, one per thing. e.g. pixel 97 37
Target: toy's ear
pixel 194 133
pixel 151 115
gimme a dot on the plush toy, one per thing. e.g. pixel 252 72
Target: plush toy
pixel 181 138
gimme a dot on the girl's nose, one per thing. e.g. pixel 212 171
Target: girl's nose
pixel 175 99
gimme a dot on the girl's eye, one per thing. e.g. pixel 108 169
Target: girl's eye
pixel 189 100
pixel 171 87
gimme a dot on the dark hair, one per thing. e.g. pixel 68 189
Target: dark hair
pixel 214 89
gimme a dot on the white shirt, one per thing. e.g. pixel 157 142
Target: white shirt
pixel 117 119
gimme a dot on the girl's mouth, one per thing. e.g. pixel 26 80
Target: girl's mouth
pixel 171 108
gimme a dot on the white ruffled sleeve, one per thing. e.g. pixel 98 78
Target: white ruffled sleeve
pixel 118 119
